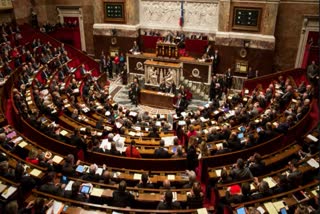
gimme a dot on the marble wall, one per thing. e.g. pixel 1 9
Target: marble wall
pixel 165 15
pixel 22 10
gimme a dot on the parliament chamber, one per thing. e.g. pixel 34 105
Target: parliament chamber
pixel 117 106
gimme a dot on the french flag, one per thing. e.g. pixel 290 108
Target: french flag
pixel 181 20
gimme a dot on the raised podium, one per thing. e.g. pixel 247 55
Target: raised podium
pixel 166 49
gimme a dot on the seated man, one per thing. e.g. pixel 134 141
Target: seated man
pixel 195 198
pixel 240 172
pixel 145 182
pixel 161 152
pixel 121 197
pixel 167 203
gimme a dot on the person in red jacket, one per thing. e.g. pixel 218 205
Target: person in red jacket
pixel 132 151
pixel 116 61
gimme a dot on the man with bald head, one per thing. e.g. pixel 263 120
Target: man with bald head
pixel 166 185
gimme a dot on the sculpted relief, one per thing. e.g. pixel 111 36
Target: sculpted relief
pixel 197 16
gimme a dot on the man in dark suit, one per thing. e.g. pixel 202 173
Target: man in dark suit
pixel 52 188
pixel 161 152
pixel 213 88
pixel 168 204
pixel 145 182
pixel 44 74
pixel 229 78
pixel 122 198
pixel 215 61
pixel 240 172
pixel 180 104
pixel 91 176
pixel 135 92
pixel 209 51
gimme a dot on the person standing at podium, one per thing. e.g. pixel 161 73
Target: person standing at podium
pixel 135 48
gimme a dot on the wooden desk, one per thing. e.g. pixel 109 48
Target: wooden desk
pixel 156 99
pixel 167 49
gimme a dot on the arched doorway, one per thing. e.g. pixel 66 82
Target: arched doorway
pixel 76 35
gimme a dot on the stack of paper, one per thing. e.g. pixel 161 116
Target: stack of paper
pixel 69 186
pixel 22 144
pixel 312 162
pixel 137 176
pixel 270 182
pixel 96 192
pixel 171 177
pixel 8 192
pixel 63 132
pixel 270 208
pixel 278 205
pixel 35 172
pixel 57 159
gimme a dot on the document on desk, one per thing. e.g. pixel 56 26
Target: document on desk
pixel 218 172
pixel 137 176
pixel 219 145
pixel 8 192
pixel 270 208
pixel 96 192
pixel 16 140
pixel 69 186
pixel 313 138
pixel 312 162
pixel 57 159
pixel 2 187
pixel 168 141
pixel 99 171
pixel 202 211
pixel 261 210
pixel 63 132
pixel 171 177
pixel 270 182
pixel 35 172
pixel 23 144
pixel 278 205
pixel 56 208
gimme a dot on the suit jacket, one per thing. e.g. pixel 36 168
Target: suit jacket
pixel 161 153
pixel 122 199
pixel 165 206
pixel 51 188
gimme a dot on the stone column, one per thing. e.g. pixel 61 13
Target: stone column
pixel 269 18
pixel 224 15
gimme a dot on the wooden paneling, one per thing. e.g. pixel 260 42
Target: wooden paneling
pixel 104 43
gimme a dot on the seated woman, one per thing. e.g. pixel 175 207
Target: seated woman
pixel 132 151
pixel 195 198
